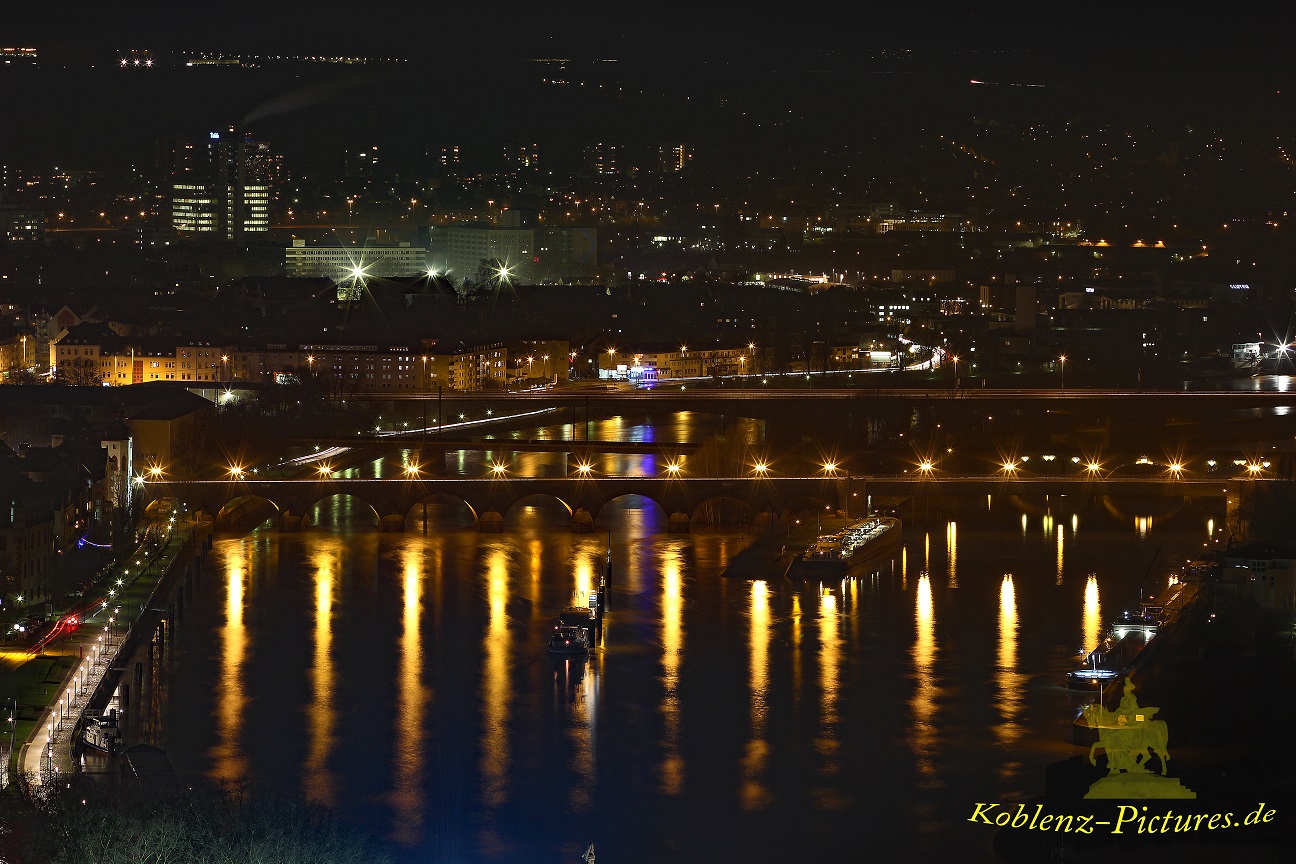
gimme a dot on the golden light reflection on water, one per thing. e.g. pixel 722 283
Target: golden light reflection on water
pixel 826 743
pixel 322 716
pixel 672 767
pixel 582 686
pixel 407 791
pixel 1092 622
pixel 1143 524
pixel 1075 525
pixel 1048 524
pixel 904 568
pixel 796 654
pixel 754 793
pixel 951 541
pixel 229 763
pixel 1008 680
pixel 496 688
pixel 922 707
pixel 586 554
pixel 1210 527
pixel 1023 524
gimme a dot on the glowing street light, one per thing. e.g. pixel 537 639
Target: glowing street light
pixel 1093 467
pixel 236 471
pixel 584 467
pixel 1254 468
pixel 672 468
pixel 498 468
pixel 411 470
pixel 926 466
pixel 155 471
pixel 325 471
pixel 830 467
pixel 761 467
pixel 1008 466
pixel 1062 358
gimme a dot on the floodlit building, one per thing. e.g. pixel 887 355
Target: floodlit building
pixel 467 246
pixel 385 261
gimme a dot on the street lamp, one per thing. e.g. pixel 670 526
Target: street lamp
pixel 224 366
pixel 325 471
pixel 411 470
pixel 761 468
pixel 1063 359
pixel 672 468
pixel 584 468
pixel 830 468
pixel 156 472
pixel 498 468
pixel 236 471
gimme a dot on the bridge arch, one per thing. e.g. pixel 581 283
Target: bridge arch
pixel 722 510
pixel 246 511
pixel 443 509
pixel 808 505
pixel 605 514
pixel 320 513
pixel 538 508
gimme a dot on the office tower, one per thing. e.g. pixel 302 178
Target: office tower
pixel 224 188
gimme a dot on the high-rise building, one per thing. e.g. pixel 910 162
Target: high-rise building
pixel 448 159
pixel 673 157
pixel 601 158
pixel 522 155
pixel 362 161
pixel 223 188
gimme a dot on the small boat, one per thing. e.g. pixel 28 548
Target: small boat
pixel 101 733
pixel 569 640
pixel 576 616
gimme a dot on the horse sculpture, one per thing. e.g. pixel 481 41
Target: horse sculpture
pixel 1128 734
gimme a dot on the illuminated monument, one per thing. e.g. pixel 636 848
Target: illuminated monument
pixel 1131 737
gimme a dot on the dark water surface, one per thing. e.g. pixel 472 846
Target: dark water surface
pixel 403 679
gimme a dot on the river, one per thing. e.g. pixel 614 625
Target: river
pixel 403 679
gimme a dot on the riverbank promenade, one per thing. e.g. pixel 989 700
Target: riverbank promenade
pixel 55 681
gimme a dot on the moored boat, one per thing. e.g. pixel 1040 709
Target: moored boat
pixel 836 555
pixel 569 640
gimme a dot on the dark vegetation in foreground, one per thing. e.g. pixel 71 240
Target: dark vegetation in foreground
pixel 85 820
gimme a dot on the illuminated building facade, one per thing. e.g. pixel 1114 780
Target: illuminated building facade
pixel 340 262
pixel 467 246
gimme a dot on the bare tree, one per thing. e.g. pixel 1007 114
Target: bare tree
pixel 79 370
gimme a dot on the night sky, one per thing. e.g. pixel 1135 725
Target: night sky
pixel 465 78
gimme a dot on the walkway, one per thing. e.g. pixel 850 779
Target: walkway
pixel 95 643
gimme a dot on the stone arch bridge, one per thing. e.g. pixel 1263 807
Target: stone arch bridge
pixel 398 497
